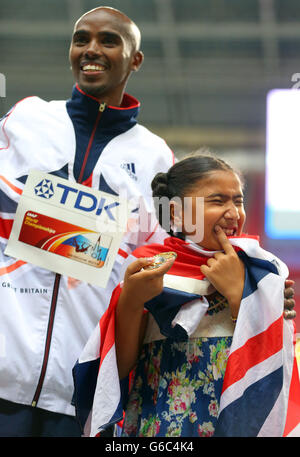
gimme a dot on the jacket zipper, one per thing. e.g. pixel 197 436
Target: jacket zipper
pixel 58 277
pixel 87 152
pixel 48 340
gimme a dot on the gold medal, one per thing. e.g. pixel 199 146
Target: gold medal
pixel 160 259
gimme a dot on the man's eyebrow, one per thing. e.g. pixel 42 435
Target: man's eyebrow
pixel 80 32
pixel 105 33
pixel 108 34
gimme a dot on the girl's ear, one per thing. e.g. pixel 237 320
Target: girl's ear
pixel 176 215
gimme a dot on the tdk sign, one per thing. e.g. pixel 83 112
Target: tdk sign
pixel 87 202
pixel 84 201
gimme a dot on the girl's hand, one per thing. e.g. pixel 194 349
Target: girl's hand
pixel 226 272
pixel 141 285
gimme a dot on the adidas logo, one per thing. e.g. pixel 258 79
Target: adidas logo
pixel 130 169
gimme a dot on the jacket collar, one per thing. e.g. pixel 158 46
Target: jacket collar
pixel 86 107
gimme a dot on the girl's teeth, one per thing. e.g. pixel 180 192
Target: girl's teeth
pixel 229 232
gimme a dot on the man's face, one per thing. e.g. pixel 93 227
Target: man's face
pixel 102 55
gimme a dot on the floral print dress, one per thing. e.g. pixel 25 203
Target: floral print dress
pixel 177 385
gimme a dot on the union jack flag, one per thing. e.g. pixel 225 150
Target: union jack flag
pixel 261 390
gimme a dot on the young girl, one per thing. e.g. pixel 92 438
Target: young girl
pixel 174 324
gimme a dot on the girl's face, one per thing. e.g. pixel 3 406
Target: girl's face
pixel 223 206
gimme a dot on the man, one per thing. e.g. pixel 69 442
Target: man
pixel 94 139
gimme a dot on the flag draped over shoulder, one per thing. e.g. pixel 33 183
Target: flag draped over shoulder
pixel 261 394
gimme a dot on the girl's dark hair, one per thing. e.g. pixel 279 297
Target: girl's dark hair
pixel 182 177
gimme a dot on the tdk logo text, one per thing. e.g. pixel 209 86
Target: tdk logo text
pixel 87 202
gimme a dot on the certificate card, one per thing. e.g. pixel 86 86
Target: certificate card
pixel 68 228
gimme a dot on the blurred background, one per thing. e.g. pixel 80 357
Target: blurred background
pixel 209 67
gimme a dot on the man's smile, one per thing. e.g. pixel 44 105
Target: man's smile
pixel 90 67
pixel 93 68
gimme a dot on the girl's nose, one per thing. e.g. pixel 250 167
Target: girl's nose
pixel 232 212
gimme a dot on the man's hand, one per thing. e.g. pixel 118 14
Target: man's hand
pixel 226 272
pixel 289 302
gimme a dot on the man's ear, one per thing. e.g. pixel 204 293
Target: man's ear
pixel 137 60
